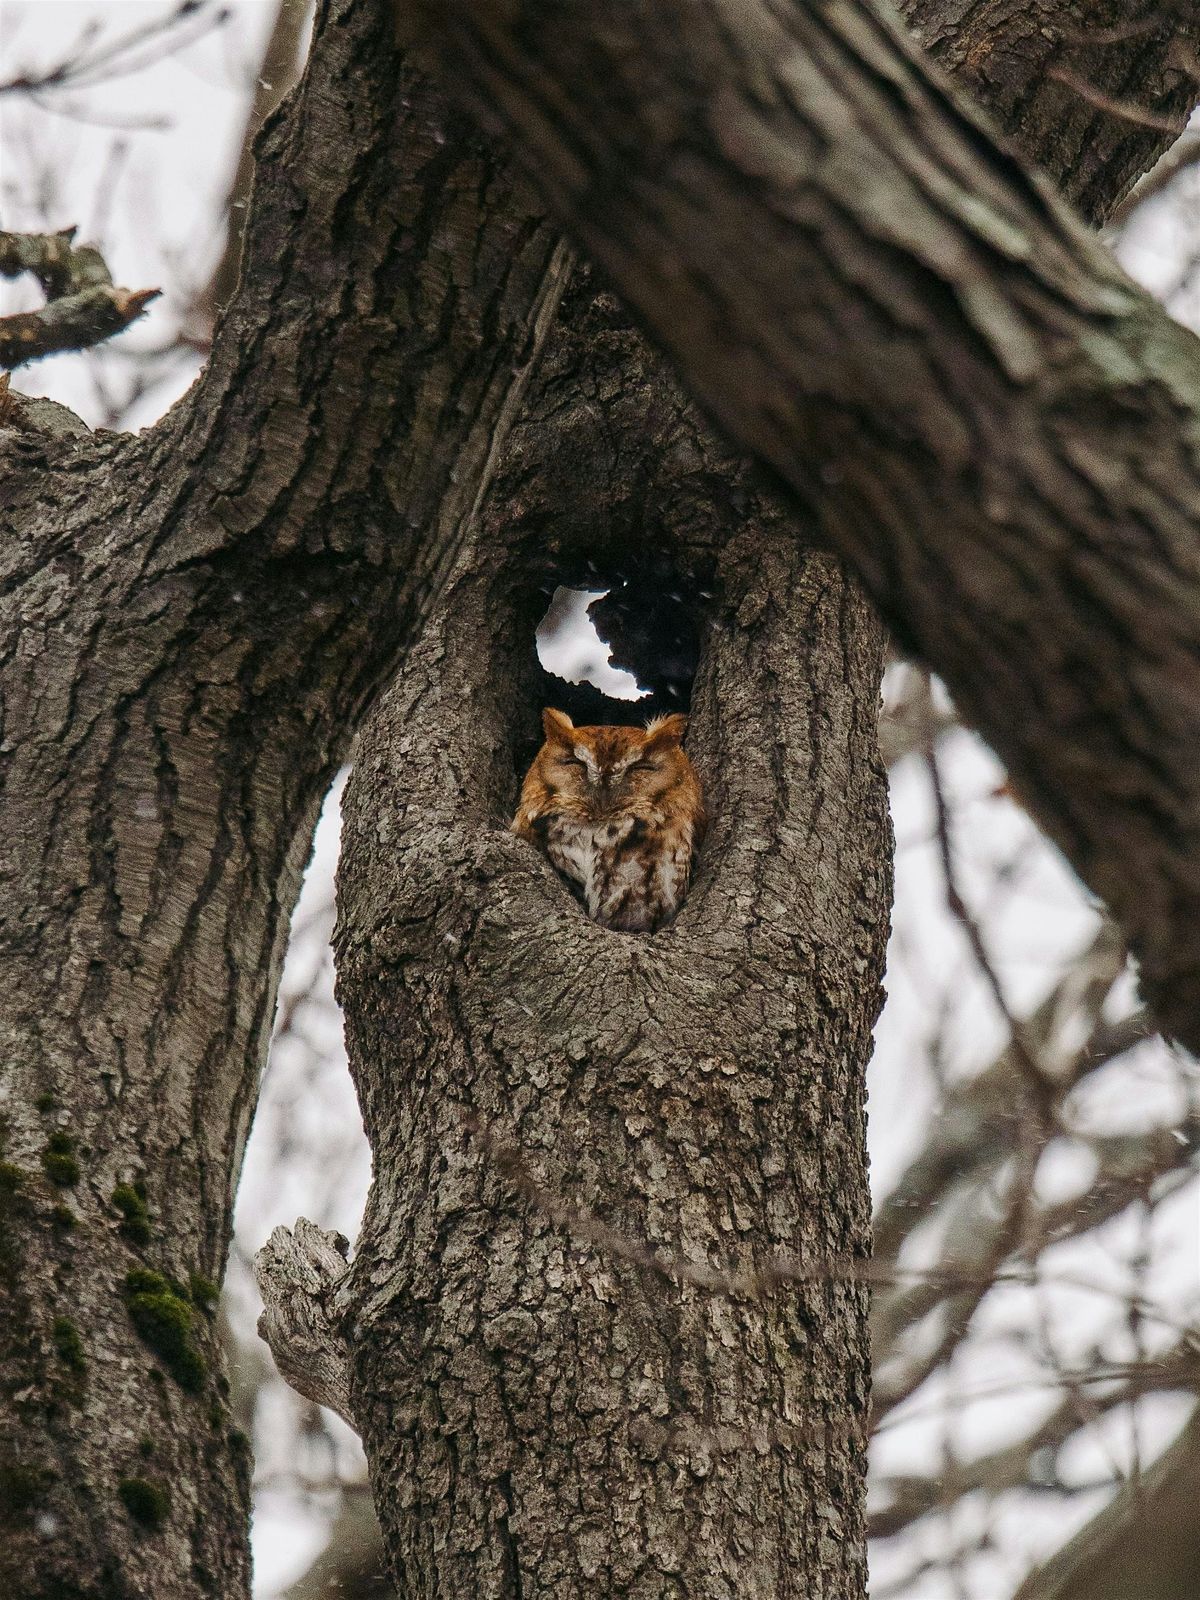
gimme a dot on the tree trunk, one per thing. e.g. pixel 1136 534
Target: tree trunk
pixel 981 412
pixel 577 1133
pixel 555 1365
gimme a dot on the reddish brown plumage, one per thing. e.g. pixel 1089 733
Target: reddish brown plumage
pixel 620 814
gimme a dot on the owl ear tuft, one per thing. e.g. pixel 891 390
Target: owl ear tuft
pixel 557 725
pixel 667 730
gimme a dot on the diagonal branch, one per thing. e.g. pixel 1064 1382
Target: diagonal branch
pixel 1011 1466
pixel 1145 1543
pixel 83 307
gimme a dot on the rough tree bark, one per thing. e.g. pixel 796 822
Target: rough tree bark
pixel 503 1461
pixel 1089 93
pixel 195 621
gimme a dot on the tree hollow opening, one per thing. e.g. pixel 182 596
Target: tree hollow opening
pixel 618 652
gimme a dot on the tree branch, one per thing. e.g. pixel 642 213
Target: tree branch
pixel 299 1274
pixel 1024 62
pixel 84 306
pixel 274 79
pixel 1145 1543
pixel 202 615
pixel 1009 1467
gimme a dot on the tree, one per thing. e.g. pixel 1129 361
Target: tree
pixel 599 1164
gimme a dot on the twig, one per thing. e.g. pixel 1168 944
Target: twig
pixel 105 62
pixel 1041 1090
pixel 1124 109
pixel 1008 1467
pixel 83 304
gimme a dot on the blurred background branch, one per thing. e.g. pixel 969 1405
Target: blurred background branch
pixel 83 305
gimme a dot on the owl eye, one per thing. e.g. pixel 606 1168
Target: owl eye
pixel 570 761
pixel 641 766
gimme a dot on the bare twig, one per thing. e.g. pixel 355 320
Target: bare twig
pixel 1040 1090
pixel 780 1272
pixel 1125 110
pixel 1011 1466
pixel 975 1132
pixel 84 66
pixel 1145 1543
pixel 83 305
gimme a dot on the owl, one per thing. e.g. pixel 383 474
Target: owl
pixel 620 814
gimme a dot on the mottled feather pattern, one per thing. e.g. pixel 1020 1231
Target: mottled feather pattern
pixel 619 812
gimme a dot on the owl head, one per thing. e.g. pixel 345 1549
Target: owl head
pixel 599 772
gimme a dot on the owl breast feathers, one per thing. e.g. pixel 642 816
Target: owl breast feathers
pixel 620 814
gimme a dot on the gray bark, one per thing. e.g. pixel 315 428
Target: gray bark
pixel 195 622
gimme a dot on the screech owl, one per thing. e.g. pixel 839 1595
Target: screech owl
pixel 619 812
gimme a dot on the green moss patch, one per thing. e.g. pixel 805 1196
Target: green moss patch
pixel 205 1293
pixel 130 1201
pixel 21 1489
pixel 68 1344
pixel 165 1321
pixel 59 1162
pixel 146 1502
pixel 15 1209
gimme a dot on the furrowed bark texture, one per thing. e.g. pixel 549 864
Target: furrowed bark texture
pixel 193 623
pixel 609 465
pixel 545 1412
pixel 997 429
pixel 488 1318
pixel 1092 93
